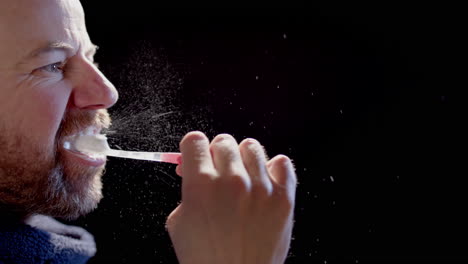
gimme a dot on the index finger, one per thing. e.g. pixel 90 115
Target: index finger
pixel 196 156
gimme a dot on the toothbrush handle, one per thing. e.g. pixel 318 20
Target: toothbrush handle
pixel 169 157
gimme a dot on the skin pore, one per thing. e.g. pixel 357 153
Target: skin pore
pixel 49 89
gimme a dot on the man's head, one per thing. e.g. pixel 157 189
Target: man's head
pixel 49 89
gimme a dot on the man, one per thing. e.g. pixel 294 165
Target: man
pixel 237 207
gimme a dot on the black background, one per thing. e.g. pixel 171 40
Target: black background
pixel 361 97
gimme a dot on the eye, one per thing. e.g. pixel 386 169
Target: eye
pixel 54 67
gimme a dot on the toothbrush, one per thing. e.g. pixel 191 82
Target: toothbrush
pixel 97 144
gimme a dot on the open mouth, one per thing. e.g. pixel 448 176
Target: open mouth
pixel 89 158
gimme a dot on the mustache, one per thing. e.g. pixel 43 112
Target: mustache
pixel 76 121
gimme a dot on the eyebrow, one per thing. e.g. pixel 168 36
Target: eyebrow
pixel 57 46
pixel 49 47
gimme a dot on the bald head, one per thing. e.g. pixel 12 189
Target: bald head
pixel 26 25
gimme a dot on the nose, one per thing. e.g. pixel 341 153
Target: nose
pixel 91 89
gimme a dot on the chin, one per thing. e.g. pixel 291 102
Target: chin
pixel 74 190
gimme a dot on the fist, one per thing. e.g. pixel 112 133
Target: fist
pixel 237 206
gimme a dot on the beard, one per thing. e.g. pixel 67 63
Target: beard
pixel 37 179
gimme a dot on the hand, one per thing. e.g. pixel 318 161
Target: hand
pixel 237 207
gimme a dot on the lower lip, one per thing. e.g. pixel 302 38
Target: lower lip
pixel 84 159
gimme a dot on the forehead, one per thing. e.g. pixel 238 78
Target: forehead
pixel 26 24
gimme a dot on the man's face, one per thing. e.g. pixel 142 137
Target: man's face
pixel 49 89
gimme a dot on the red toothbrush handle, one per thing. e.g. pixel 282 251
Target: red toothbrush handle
pixel 172 157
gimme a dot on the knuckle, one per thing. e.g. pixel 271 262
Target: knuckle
pixel 233 172
pixel 192 137
pixel 222 144
pixel 253 149
pixel 223 137
pixel 282 159
pixel 236 182
pixel 226 152
pixel 248 141
pixel 262 190
pixel 286 167
pixel 205 175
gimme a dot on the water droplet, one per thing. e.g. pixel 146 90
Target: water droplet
pixel 256 77
pixel 285 36
pixel 332 179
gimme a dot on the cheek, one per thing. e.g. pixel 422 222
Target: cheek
pixel 44 110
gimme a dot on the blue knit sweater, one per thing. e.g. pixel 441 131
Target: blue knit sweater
pixel 42 239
